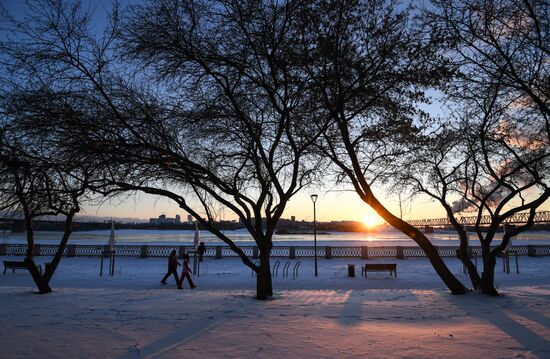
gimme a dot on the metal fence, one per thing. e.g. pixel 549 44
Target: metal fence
pixel 291 252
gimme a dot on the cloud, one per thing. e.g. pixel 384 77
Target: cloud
pixel 487 192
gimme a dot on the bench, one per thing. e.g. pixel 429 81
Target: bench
pixel 380 267
pixel 13 265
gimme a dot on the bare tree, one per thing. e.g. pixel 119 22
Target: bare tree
pixel 491 157
pixel 434 168
pixel 217 117
pixel 491 161
pixel 502 41
pixel 41 98
pixel 36 181
pixel 371 66
pixel 236 132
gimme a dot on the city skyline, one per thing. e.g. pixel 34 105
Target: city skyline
pixel 331 206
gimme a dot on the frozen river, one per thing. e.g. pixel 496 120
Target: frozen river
pixel 389 238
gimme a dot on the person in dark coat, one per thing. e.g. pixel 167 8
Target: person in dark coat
pixel 186 272
pixel 200 250
pixel 172 268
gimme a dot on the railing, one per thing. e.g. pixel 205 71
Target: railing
pixel 290 252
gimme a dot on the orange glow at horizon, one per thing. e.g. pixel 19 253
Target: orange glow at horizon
pixel 371 220
pixel 330 206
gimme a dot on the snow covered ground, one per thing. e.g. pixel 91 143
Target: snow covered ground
pixel 131 315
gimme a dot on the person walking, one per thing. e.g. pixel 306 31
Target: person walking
pixel 200 250
pixel 186 273
pixel 172 267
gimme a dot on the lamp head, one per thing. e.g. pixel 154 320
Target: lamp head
pixel 314 198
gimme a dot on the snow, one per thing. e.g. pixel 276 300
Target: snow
pixel 131 315
pixel 241 236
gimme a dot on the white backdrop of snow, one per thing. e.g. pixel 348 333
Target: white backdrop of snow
pixel 131 315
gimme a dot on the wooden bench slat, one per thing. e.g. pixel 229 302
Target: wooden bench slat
pixel 380 267
pixel 13 265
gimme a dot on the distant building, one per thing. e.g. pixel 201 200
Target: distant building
pixel 189 218
pixel 162 219
pixel 293 218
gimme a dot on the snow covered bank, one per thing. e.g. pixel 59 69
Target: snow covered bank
pixel 132 315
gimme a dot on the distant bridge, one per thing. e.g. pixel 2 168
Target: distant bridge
pixel 540 217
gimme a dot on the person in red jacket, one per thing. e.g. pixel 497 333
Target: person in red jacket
pixel 172 267
pixel 186 272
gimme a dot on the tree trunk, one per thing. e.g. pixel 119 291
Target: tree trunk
pixel 30 235
pixel 264 286
pixel 488 275
pixel 472 273
pixel 41 283
pixel 463 255
pixel 50 270
pixel 454 285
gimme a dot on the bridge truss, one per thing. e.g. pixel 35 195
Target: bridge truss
pixel 540 217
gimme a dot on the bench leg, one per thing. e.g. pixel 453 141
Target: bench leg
pixel 5 270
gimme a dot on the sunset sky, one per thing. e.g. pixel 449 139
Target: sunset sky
pixel 331 205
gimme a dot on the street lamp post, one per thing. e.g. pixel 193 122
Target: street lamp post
pixel 314 199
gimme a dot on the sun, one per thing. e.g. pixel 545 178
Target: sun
pixel 370 221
